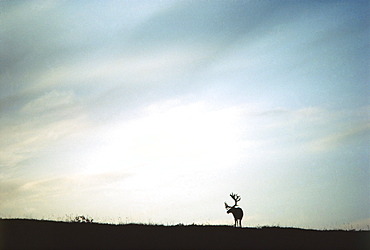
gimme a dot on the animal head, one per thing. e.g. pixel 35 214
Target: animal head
pixel 236 198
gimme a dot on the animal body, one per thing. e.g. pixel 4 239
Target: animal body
pixel 236 211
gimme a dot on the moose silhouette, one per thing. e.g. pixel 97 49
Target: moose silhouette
pixel 236 211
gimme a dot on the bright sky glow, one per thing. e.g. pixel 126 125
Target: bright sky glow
pixel 155 111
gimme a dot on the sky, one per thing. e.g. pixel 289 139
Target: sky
pixel 155 111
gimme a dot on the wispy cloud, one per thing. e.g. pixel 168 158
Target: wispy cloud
pixel 352 134
pixel 50 102
pixel 26 194
pixel 23 145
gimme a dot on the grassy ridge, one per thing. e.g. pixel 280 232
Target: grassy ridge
pixel 34 234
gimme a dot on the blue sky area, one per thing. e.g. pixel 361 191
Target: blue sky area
pixel 155 111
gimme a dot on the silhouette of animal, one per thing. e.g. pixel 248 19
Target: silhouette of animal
pixel 236 211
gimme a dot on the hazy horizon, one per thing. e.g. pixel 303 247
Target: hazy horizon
pixel 155 111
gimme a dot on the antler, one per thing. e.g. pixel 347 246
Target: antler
pixel 236 198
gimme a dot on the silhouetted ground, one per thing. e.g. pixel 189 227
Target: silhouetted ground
pixel 34 234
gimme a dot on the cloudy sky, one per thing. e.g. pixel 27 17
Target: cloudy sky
pixel 155 111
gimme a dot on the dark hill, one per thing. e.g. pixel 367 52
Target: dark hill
pixel 34 234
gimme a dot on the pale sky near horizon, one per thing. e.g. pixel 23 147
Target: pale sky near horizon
pixel 155 111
